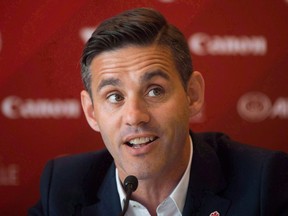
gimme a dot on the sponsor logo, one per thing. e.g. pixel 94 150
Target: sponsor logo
pixel 86 32
pixel 256 107
pixel 203 44
pixel 9 175
pixel 14 107
pixel 215 213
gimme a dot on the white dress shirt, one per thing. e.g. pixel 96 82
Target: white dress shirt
pixel 173 205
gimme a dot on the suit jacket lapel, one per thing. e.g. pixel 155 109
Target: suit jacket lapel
pixel 206 180
pixel 100 190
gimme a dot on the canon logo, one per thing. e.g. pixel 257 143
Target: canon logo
pixel 203 44
pixel 256 107
pixel 14 107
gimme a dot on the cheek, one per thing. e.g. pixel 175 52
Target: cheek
pixel 109 126
pixel 110 142
pixel 177 110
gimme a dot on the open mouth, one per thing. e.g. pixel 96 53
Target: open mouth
pixel 140 142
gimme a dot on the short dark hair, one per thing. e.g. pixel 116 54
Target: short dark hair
pixel 140 26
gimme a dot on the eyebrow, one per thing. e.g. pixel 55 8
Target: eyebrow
pixel 145 78
pixel 106 82
pixel 150 75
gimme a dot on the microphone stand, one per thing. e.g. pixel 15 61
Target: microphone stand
pixel 130 185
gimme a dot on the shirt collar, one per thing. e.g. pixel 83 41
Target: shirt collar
pixel 120 189
pixel 178 195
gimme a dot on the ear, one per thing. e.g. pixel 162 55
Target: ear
pixel 88 109
pixel 195 93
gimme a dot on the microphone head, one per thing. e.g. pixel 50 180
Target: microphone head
pixel 130 182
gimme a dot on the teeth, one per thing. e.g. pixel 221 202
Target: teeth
pixel 137 146
pixel 141 140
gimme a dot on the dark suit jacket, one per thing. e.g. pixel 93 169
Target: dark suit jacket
pixel 226 176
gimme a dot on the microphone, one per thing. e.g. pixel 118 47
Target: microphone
pixel 130 185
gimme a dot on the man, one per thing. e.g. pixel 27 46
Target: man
pixel 140 93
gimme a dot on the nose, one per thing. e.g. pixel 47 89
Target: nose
pixel 136 112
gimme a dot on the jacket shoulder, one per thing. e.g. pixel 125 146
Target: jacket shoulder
pixel 255 176
pixel 65 180
pixel 81 162
pixel 223 145
pixel 235 156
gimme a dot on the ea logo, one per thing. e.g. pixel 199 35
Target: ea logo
pixel 254 106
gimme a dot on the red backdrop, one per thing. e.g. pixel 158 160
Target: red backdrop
pixel 241 48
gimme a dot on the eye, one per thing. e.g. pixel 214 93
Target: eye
pixel 155 92
pixel 115 98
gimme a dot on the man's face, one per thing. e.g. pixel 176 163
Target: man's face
pixel 141 109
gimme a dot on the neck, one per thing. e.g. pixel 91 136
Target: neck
pixel 152 191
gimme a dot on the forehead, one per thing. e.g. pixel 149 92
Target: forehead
pixel 132 59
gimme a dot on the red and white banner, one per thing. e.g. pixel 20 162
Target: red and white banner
pixel 241 48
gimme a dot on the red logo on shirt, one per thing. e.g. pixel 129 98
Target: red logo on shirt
pixel 215 213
